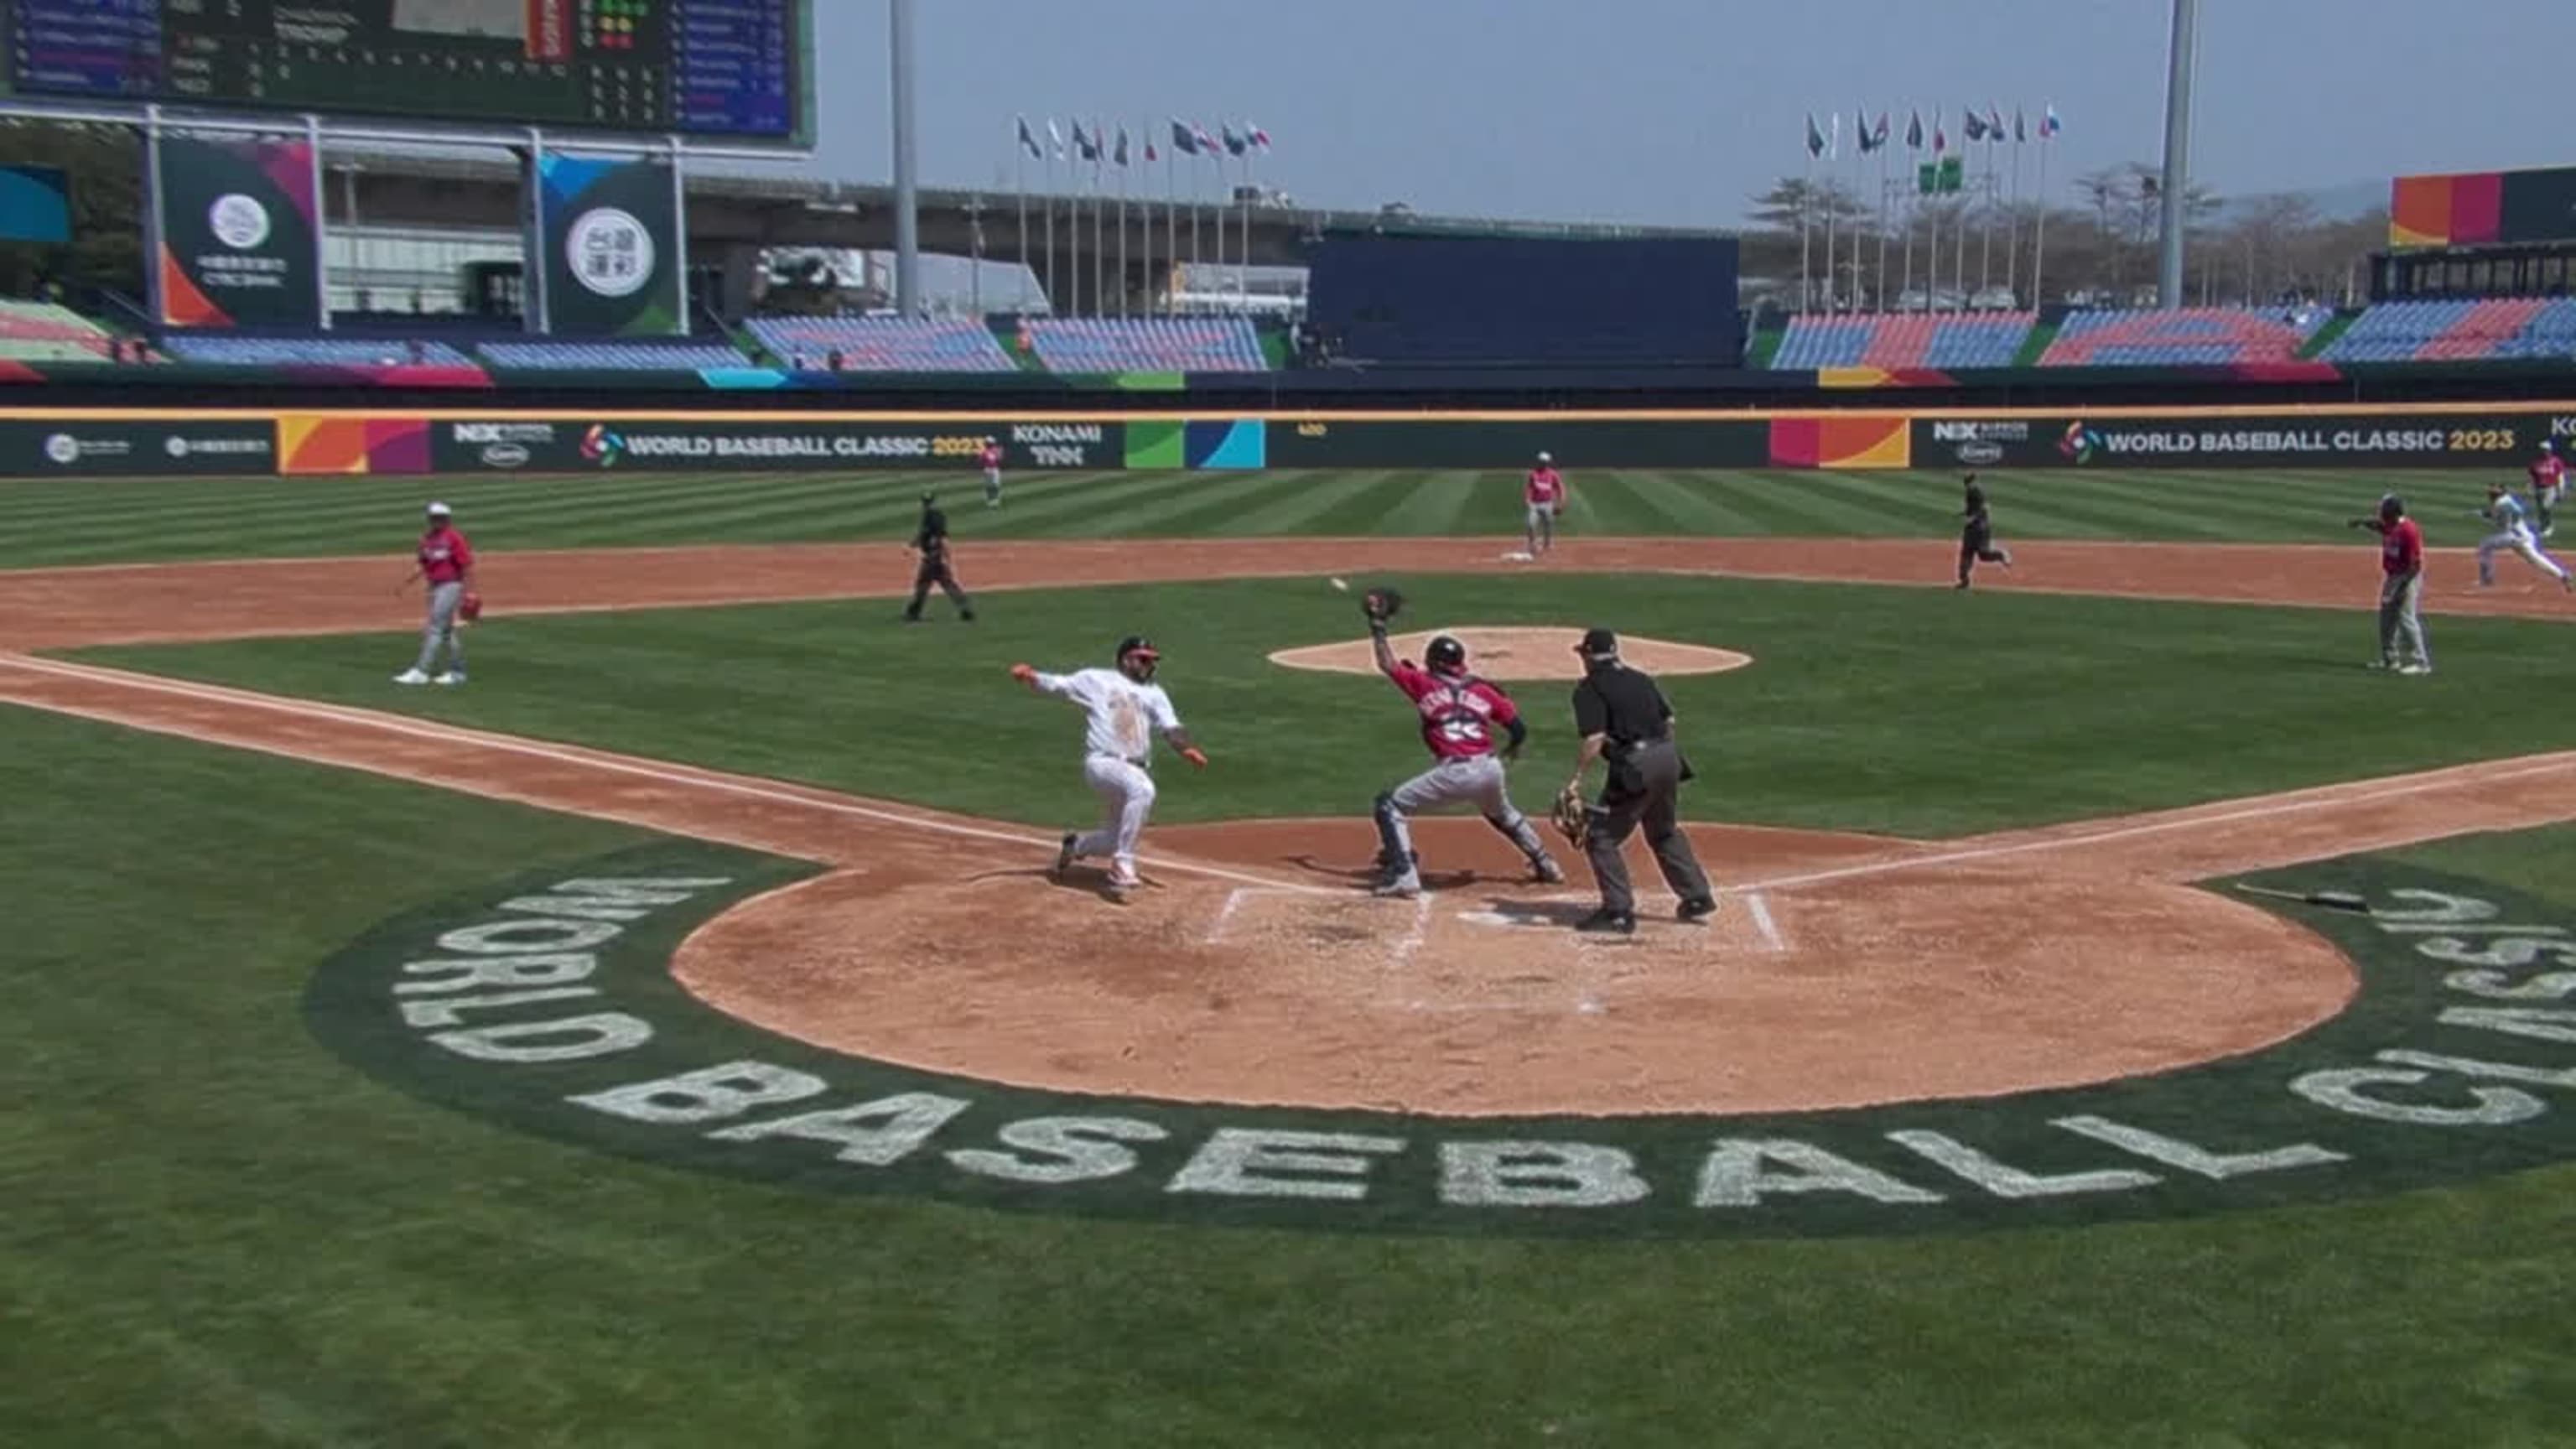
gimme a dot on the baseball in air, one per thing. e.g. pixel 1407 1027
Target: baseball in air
pixel 1342 584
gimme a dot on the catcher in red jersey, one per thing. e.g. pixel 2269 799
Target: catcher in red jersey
pixel 1460 715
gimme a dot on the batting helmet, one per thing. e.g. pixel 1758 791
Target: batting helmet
pixel 1141 649
pixel 2391 506
pixel 1445 655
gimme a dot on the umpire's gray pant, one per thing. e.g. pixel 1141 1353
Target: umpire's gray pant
pixel 2400 598
pixel 1647 793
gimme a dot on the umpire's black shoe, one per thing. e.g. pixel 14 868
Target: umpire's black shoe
pixel 1696 909
pixel 1607 922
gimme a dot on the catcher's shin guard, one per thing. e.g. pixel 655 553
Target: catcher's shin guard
pixel 1394 841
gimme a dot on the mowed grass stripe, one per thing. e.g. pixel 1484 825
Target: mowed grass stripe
pixel 1282 504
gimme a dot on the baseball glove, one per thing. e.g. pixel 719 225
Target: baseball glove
pixel 1572 817
pixel 1381 605
pixel 470 607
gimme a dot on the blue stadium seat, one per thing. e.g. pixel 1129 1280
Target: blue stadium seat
pixel 884 344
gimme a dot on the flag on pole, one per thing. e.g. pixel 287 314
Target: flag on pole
pixel 1182 140
pixel 1815 138
pixel 1940 138
pixel 1235 142
pixel 1994 122
pixel 1120 155
pixel 1151 155
pixel 1914 130
pixel 1260 138
pixel 1086 145
pixel 1207 143
pixel 1973 125
pixel 1860 131
pixel 1029 140
pixel 1055 138
pixel 2049 125
pixel 1878 133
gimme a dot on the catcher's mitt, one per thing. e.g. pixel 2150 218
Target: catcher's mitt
pixel 470 607
pixel 1381 605
pixel 1573 818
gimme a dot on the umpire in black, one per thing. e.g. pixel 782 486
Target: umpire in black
pixel 1624 719
pixel 931 542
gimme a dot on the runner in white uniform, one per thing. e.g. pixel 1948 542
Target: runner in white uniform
pixel 2513 531
pixel 1127 709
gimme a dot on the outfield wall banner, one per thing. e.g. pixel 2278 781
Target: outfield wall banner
pixel 1513 443
pixel 610 234
pixel 2283 440
pixel 35 204
pixel 80 448
pixel 237 233
pixel 569 445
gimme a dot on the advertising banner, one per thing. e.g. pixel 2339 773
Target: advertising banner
pixel 80 448
pixel 2282 440
pixel 753 445
pixel 610 234
pixel 35 204
pixel 1510 443
pixel 237 233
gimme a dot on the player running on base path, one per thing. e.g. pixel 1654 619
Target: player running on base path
pixel 2512 531
pixel 2548 485
pixel 446 562
pixel 2401 586
pixel 931 542
pixel 991 461
pixel 1127 709
pixel 1459 716
pixel 1977 534
pixel 1543 497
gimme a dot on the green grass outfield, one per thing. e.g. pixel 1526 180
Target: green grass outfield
pixel 1871 708
pixel 219 1234
pixel 92 521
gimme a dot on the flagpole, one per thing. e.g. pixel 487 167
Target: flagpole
pixel 1020 183
pixel 2039 225
pixel 1124 296
pixel 1986 217
pixel 1883 199
pixel 1050 219
pixel 1806 213
pixel 1171 233
pixel 1833 155
pixel 2012 214
pixel 1099 257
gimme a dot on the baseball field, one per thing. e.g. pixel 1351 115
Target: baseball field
pixel 2129 1019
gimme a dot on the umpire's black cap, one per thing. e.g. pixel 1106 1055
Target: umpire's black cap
pixel 1598 644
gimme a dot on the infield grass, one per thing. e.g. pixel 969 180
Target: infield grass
pixel 90 521
pixel 1907 711
pixel 217 1233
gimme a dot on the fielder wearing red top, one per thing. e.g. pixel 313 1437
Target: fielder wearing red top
pixel 990 460
pixel 1543 497
pixel 444 561
pixel 2401 587
pixel 2548 478
pixel 1459 714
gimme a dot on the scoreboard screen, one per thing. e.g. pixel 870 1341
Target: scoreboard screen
pixel 735 69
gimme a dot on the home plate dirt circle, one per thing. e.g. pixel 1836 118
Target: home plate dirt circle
pixel 1510 652
pixel 1944 981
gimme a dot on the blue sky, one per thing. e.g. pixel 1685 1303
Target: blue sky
pixel 1674 111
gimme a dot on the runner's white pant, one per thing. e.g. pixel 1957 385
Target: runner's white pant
pixel 2517 538
pixel 1126 798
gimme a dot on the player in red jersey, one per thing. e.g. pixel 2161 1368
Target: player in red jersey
pixel 445 561
pixel 1544 496
pixel 2401 586
pixel 2548 485
pixel 1460 714
pixel 990 460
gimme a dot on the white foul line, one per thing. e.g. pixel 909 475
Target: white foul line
pixel 1411 941
pixel 508 744
pixel 1225 913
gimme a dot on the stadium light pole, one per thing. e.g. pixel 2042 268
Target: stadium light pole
pixel 2177 180
pixel 907 195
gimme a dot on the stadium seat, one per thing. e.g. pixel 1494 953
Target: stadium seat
pixel 313 352
pixel 1912 340
pixel 615 356
pixel 2189 336
pixel 2458 329
pixel 1148 344
pixel 885 344
pixel 47 332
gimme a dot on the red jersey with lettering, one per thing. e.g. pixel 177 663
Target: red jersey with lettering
pixel 2549 472
pixel 1459 711
pixel 1545 485
pixel 991 456
pixel 445 555
pixel 2401 547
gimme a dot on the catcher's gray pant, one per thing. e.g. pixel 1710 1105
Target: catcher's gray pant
pixel 1479 782
pixel 1645 790
pixel 441 629
pixel 2399 595
pixel 1542 527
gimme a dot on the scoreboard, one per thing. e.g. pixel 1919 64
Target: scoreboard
pixel 735 69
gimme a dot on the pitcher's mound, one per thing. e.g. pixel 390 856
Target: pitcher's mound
pixel 1509 652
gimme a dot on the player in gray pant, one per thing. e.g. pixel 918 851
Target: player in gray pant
pixel 1458 713
pixel 2401 587
pixel 446 562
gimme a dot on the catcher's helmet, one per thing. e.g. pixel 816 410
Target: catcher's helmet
pixel 1140 649
pixel 1445 655
pixel 2391 506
